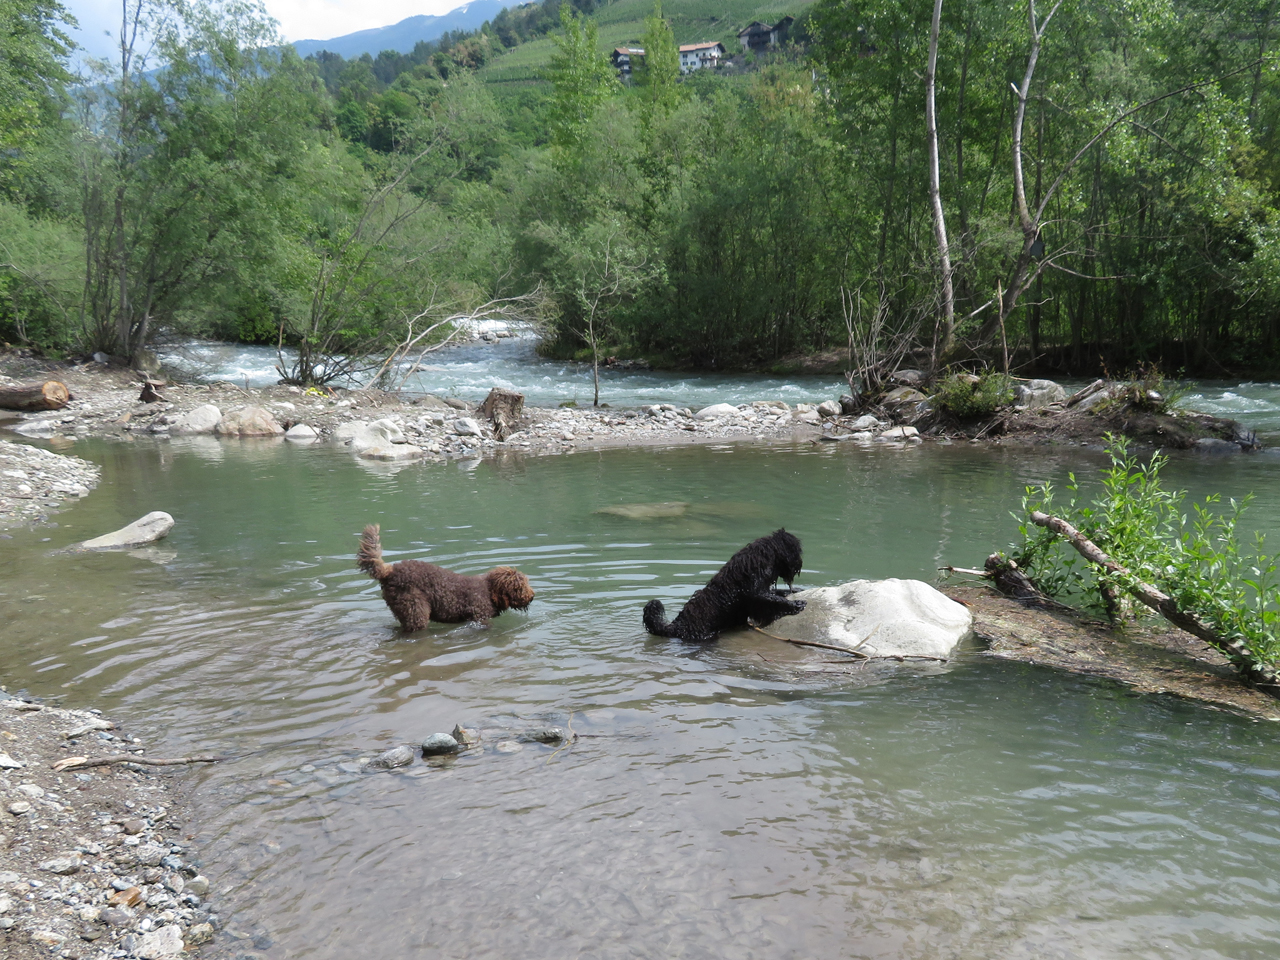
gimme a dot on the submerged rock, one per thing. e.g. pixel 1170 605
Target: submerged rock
pixel 880 618
pixel 465 736
pixel 389 759
pixel 154 526
pixel 647 511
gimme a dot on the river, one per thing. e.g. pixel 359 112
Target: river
pixel 732 800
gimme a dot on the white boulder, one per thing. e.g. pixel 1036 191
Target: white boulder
pixel 1039 393
pixel 37 429
pixel 363 435
pixel 829 408
pixel 880 618
pixel 202 419
pixel 865 422
pixel 301 433
pixel 466 427
pixel 717 410
pixel 154 526
pixel 900 433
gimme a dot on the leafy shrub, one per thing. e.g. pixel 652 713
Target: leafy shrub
pixel 1195 557
pixel 967 396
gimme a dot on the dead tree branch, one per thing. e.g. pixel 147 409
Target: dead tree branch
pixel 1161 602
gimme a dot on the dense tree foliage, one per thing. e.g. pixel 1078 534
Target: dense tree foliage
pixel 1106 181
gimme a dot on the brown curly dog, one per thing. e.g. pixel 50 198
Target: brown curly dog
pixel 419 592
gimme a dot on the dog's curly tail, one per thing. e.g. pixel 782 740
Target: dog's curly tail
pixel 369 556
pixel 655 619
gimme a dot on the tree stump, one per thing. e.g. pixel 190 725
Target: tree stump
pixel 151 391
pixel 503 408
pixel 50 395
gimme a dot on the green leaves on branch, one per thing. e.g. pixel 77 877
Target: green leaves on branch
pixel 1193 556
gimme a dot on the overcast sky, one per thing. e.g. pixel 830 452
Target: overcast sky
pixel 299 19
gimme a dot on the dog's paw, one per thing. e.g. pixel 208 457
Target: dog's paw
pixel 799 604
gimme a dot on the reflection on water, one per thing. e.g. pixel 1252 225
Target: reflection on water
pixel 723 801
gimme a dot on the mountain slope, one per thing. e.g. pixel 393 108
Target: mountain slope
pixel 403 35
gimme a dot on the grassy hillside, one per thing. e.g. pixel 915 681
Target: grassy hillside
pixel 622 22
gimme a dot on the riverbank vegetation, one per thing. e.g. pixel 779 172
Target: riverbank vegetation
pixel 1065 188
pixel 1137 540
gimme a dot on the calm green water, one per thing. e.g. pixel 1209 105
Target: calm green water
pixel 729 801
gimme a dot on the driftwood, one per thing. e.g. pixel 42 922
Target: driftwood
pixel 1085 392
pixel 1162 603
pixel 849 651
pixel 1013 583
pixel 50 395
pixel 84 763
pixel 503 408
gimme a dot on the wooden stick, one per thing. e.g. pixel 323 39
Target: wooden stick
pixel 83 763
pixel 847 650
pixel 1160 602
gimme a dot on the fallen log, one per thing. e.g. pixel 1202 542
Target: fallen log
pixel 1163 604
pixel 50 395
pixel 84 763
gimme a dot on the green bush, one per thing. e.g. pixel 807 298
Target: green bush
pixel 968 397
pixel 1195 557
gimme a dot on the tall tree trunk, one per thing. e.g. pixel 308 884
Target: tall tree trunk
pixel 944 330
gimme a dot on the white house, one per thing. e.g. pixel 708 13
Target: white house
pixel 697 56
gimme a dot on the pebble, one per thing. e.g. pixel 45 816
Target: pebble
pixel 19 807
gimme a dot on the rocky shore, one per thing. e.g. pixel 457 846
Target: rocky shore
pixel 92 861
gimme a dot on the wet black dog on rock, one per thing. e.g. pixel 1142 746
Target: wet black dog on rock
pixel 743 590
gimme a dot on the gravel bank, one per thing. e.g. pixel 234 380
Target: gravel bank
pixel 92 864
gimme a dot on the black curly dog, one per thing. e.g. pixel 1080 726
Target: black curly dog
pixel 743 590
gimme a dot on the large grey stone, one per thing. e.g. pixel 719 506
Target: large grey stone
pixel 202 419
pixel 249 421
pixel 389 759
pixel 865 422
pixel 1039 393
pixel 154 526
pixel 829 408
pixel 466 427
pixel 717 410
pixel 880 618
pixel 1216 446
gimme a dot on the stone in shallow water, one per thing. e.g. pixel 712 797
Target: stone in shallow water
pixel 546 735
pixel 301 433
pixel 395 757
pixel 647 511
pixel 439 743
pixel 154 526
pixel 880 618
pixel 249 421
pixel 466 736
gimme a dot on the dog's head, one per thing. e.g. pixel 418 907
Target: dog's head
pixel 786 555
pixel 509 589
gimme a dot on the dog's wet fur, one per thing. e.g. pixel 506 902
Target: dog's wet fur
pixel 743 590
pixel 418 592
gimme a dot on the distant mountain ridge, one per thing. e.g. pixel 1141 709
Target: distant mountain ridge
pixel 402 36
